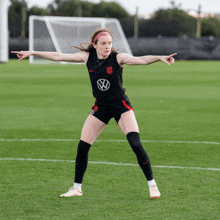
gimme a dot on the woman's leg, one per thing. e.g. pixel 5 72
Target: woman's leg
pixel 91 130
pixel 129 126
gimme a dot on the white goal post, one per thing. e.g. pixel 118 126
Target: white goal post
pixel 4 31
pixel 56 33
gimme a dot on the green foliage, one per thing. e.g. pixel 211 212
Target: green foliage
pixel 171 13
pixel 15 10
pixel 211 26
pixel 109 10
pixel 65 8
pixel 127 25
pixel 169 22
pixel 87 8
pixel 167 27
pixel 37 11
pixel 176 22
pixel 15 16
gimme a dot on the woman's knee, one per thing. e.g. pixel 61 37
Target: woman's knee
pixel 135 143
pixel 128 122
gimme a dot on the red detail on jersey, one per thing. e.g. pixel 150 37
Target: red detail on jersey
pixel 109 69
pixel 146 162
pixel 91 71
pixel 127 106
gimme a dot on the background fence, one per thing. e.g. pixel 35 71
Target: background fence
pixel 187 48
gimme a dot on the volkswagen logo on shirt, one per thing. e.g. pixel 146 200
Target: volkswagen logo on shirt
pixel 103 84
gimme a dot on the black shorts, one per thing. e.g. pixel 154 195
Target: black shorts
pixel 105 111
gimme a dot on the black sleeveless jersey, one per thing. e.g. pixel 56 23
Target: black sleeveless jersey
pixel 106 78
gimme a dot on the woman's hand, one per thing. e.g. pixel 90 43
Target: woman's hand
pixel 22 54
pixel 169 60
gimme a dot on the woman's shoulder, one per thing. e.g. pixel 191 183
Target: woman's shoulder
pixel 82 56
pixel 120 57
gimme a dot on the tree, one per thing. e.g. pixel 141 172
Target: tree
pixel 109 10
pixel 87 8
pixel 15 18
pixel 169 22
pixel 172 13
pixel 127 25
pixel 15 10
pixel 211 26
pixel 65 8
pixel 37 11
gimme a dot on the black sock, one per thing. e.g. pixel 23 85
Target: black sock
pixel 141 154
pixel 81 161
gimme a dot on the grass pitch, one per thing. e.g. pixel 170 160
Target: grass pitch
pixel 43 109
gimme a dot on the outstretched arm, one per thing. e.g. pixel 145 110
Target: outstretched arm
pixel 128 59
pixel 76 57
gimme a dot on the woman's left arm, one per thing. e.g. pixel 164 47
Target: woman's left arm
pixel 128 59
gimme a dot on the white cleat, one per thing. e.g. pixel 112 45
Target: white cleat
pixel 72 192
pixel 154 192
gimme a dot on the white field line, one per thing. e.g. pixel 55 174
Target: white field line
pixel 107 163
pixel 72 140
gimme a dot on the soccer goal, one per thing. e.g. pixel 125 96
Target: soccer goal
pixel 4 33
pixel 55 33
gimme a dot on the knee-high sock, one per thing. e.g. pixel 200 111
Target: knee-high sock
pixel 81 161
pixel 142 157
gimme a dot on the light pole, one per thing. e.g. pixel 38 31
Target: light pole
pixel 198 25
pixel 136 23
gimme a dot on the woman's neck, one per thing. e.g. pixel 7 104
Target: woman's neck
pixel 101 57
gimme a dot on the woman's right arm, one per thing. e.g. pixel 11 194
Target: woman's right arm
pixel 75 57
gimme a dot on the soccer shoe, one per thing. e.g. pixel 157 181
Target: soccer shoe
pixel 154 192
pixel 72 192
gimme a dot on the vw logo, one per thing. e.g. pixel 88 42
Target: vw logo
pixel 103 84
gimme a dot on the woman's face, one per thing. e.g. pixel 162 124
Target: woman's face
pixel 103 46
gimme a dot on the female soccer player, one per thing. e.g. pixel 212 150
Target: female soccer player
pixel 105 68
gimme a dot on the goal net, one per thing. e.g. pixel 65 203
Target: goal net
pixel 51 33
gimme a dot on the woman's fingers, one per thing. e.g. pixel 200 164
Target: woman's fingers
pixel 174 54
pixel 171 59
pixel 21 54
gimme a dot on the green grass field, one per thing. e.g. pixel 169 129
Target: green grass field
pixel 43 109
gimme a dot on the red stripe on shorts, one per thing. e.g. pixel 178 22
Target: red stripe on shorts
pixel 94 105
pixel 127 106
